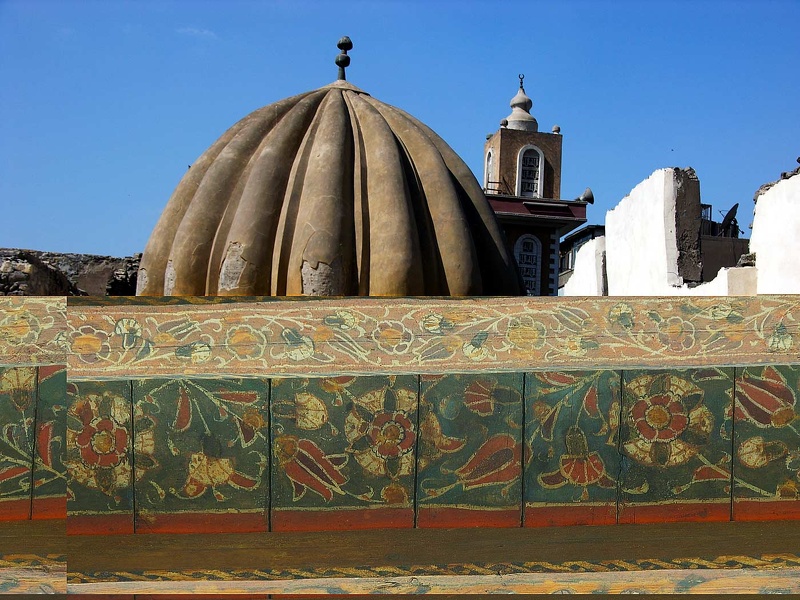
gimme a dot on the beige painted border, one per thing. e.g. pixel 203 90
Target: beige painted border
pixel 374 335
pixel 32 330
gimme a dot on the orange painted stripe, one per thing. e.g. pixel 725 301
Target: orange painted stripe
pixel 760 510
pixel 675 512
pixel 449 516
pixel 15 510
pixel 342 519
pixel 549 516
pixel 50 508
pixel 99 524
pixel 201 523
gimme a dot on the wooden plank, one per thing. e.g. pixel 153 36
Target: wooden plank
pixel 680 581
pixel 333 337
pixel 304 555
pixel 32 329
pixel 32 557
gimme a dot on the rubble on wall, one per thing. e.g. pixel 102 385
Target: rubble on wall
pixel 36 273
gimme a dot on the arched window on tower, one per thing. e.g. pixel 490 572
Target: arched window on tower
pixel 487 174
pixel 529 172
pixel 528 252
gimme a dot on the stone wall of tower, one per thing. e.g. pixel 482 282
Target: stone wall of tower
pixel 506 144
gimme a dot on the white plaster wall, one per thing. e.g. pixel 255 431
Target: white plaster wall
pixel 730 281
pixel 587 274
pixel 776 238
pixel 641 249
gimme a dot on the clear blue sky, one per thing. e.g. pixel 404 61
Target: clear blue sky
pixel 104 104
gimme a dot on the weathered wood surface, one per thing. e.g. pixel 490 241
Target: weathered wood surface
pixel 721 557
pixel 33 557
pixel 373 335
pixel 32 330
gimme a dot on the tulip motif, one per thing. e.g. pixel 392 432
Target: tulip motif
pixel 309 468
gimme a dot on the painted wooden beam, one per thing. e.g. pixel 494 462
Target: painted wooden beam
pixel 328 337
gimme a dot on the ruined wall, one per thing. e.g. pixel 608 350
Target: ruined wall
pixel 653 236
pixel 776 237
pixel 589 273
pixel 37 273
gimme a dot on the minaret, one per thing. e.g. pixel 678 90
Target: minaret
pixel 518 159
pixel 522 181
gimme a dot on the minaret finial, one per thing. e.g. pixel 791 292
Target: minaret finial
pixel 521 77
pixel 342 60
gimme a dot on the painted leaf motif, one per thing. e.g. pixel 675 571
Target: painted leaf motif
pixel 247 397
pixel 556 378
pixel 590 403
pixel 183 414
pixel 548 420
pixel 308 468
pixel 246 432
pixel 431 432
pixel 766 401
pixel 478 397
pixel 711 473
pixel 11 472
pixel 44 441
pixel 310 412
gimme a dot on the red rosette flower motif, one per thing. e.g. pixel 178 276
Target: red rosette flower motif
pixel 659 418
pixel 667 420
pixel 103 442
pixel 381 432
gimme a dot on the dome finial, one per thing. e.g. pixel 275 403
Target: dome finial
pixel 520 117
pixel 342 60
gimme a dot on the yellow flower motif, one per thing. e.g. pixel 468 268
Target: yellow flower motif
pixel 526 334
pixel 20 327
pixel 89 344
pixel 244 342
pixel 573 345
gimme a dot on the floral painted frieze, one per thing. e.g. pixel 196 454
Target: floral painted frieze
pixel 470 456
pixel 17 418
pixel 201 448
pixel 676 440
pixel 573 461
pixel 331 337
pixel 31 330
pixel 99 452
pixel 766 417
pixel 343 447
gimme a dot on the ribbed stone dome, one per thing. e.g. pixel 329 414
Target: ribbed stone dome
pixel 328 193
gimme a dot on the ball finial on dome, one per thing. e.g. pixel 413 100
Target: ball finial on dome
pixel 342 60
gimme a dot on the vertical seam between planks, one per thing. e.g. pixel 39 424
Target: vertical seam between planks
pixel 621 467
pixel 524 454
pixel 34 439
pixel 417 445
pixel 268 504
pixel 133 452
pixel 733 441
